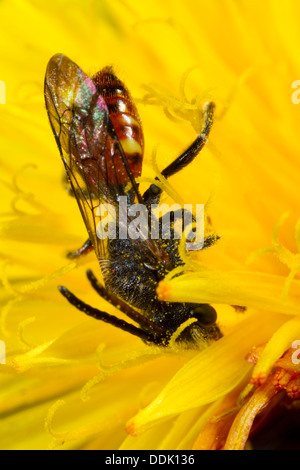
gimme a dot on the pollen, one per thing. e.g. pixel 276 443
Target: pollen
pixel 163 291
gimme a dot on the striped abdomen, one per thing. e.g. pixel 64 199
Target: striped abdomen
pixel 124 116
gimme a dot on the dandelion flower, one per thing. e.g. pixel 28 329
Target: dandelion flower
pixel 70 382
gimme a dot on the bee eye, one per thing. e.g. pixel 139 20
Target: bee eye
pixel 155 189
pixel 204 313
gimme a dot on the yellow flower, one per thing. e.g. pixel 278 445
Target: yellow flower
pixel 72 382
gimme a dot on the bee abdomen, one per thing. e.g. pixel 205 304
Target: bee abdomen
pixel 123 114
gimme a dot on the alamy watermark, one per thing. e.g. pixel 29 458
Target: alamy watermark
pixel 137 221
pixel 296 94
pixel 2 353
pixel 2 92
pixel 296 354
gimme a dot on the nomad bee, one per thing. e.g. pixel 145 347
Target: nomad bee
pixel 99 135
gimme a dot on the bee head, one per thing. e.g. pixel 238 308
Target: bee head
pixel 204 313
pixel 203 330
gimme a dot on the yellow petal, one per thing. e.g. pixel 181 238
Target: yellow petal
pixel 258 290
pixel 280 342
pixel 209 375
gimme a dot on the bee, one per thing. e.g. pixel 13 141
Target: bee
pixel 99 135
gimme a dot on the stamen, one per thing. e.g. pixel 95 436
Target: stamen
pixel 21 328
pixel 275 348
pixel 240 430
pixel 4 314
pixel 15 182
pixel 138 356
pixel 26 361
pixel 291 260
pixel 217 423
pixel 179 330
pixel 167 187
pixel 183 81
pixel 18 294
pixel 5 281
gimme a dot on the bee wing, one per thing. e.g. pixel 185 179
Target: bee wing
pixel 94 159
pixel 79 119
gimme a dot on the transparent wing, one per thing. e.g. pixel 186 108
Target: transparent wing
pixel 94 160
pixel 79 118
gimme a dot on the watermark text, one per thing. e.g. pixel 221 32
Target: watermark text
pixel 2 92
pixel 138 221
pixel 296 354
pixel 2 353
pixel 296 94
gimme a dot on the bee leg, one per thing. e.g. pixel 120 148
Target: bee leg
pixel 210 240
pixel 84 250
pixel 180 215
pixel 192 151
pixel 157 332
pixel 152 195
pixel 106 317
